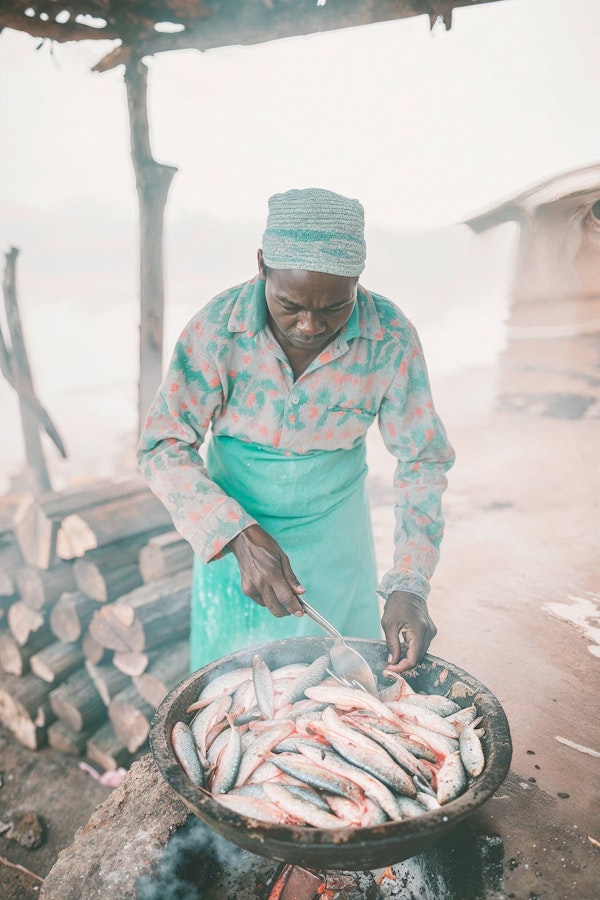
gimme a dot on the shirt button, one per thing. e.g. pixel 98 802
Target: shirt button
pixel 295 398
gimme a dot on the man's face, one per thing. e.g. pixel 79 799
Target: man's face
pixel 307 309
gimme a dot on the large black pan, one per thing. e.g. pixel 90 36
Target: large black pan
pixel 352 848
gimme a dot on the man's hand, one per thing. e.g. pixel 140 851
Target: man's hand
pixel 267 576
pixel 406 614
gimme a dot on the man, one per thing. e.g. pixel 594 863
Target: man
pixel 289 370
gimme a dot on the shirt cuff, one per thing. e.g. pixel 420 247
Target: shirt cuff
pixel 219 528
pixel 403 581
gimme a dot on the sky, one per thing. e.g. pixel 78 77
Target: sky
pixel 425 128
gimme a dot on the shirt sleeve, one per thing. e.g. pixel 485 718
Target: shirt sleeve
pixel 190 395
pixel 415 436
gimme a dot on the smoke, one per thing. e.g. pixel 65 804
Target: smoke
pixel 198 863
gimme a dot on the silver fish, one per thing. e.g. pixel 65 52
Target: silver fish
pixel 217 745
pixel 427 800
pixel 299 709
pixel 310 677
pixel 290 670
pixel 451 778
pixel 204 720
pixel 225 684
pixel 266 771
pixel 410 807
pixel 307 793
pixel 301 809
pixel 350 698
pixel 463 717
pixel 256 752
pixel 395 747
pixel 441 745
pixel 373 814
pixel 376 764
pixel 315 776
pixel 443 706
pixel 228 763
pixel 426 718
pixel 373 788
pixel 263 687
pixel 184 747
pixel 471 750
pixel 290 744
pixel 255 808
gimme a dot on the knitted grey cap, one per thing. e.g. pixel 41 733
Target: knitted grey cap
pixel 315 230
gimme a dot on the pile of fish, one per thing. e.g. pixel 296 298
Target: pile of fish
pixel 293 746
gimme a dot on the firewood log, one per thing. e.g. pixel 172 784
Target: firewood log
pixel 77 703
pixel 93 651
pixel 121 552
pixel 39 588
pixel 8 587
pixel 108 681
pixel 9 503
pixel 91 569
pixel 164 555
pixel 106 749
pixel 130 662
pixel 10 561
pixel 105 585
pixel 65 740
pixel 56 662
pixel 24 709
pixel 24 622
pixel 130 715
pixel 14 658
pixel 37 520
pixel 5 602
pixel 143 618
pixel 109 522
pixel 71 615
pixel 167 669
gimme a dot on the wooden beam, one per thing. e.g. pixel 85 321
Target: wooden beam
pixel 153 181
pixel 22 379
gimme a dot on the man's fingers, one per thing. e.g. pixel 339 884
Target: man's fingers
pixel 293 606
pixel 281 601
pixel 405 616
pixel 394 644
pixel 411 647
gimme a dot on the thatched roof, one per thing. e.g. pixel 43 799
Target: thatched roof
pixel 152 26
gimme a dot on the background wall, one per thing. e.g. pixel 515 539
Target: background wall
pixel 425 128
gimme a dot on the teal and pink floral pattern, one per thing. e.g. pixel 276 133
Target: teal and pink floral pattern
pixel 229 374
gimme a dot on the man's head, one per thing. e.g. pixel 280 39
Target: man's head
pixel 315 230
pixel 313 252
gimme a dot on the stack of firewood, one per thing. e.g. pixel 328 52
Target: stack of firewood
pixel 94 618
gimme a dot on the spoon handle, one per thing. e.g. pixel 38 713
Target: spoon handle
pixel 320 620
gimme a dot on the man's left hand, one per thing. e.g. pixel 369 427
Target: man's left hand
pixel 406 614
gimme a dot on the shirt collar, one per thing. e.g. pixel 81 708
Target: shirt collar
pixel 249 313
pixel 364 321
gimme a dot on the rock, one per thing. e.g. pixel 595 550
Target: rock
pixel 26 828
pixel 124 838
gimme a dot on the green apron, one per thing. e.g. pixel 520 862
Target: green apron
pixel 315 506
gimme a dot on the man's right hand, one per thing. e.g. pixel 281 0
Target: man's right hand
pixel 267 576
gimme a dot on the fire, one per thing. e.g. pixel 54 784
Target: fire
pixel 388 874
pixel 325 892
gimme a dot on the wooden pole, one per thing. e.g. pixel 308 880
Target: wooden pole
pixel 22 379
pixel 153 181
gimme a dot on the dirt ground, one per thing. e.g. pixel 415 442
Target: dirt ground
pixel 516 599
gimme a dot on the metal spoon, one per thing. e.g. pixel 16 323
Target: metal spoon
pixel 350 667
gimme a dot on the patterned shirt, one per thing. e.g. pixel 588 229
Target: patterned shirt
pixel 229 373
